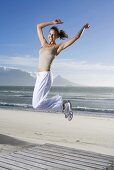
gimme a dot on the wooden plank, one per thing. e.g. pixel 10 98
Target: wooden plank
pixel 2 168
pixel 55 157
pixel 84 152
pixel 48 151
pixel 37 160
pixel 68 159
pixel 33 162
pixel 88 154
pixel 9 166
pixel 91 155
pixel 79 156
pixel 57 162
pixel 19 165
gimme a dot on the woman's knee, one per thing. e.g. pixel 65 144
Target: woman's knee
pixel 36 105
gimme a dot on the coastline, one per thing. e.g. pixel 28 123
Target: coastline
pixel 25 128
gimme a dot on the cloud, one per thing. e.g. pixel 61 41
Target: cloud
pixel 70 64
pixel 82 65
pixel 82 72
pixel 24 60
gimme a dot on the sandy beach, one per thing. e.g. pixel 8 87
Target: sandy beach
pixel 22 128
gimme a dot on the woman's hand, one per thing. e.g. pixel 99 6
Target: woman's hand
pixel 86 26
pixel 57 21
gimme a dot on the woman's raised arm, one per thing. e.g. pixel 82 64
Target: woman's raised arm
pixel 40 26
pixel 72 40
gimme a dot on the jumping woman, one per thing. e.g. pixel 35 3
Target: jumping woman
pixel 47 53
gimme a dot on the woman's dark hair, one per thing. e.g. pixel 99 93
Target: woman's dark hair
pixel 61 34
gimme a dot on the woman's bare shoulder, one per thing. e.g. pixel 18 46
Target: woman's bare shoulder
pixel 58 45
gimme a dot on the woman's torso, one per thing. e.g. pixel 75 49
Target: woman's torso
pixel 46 56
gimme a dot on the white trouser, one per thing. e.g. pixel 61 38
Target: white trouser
pixel 42 87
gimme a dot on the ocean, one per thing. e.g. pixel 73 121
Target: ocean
pixel 98 101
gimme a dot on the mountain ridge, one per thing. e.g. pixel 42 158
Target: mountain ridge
pixel 60 81
pixel 16 77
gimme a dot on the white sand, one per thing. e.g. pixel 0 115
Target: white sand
pixel 83 132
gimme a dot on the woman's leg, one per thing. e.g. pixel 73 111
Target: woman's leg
pixel 42 87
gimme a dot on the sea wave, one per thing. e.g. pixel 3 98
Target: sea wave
pixel 15 105
pixel 99 110
pixel 11 91
pixel 89 98
pixel 75 109
pixel 16 95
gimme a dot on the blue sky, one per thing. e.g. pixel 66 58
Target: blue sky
pixel 89 61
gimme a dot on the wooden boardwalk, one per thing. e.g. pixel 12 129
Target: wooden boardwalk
pixel 55 157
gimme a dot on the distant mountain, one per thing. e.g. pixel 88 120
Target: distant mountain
pixel 16 77
pixel 60 81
